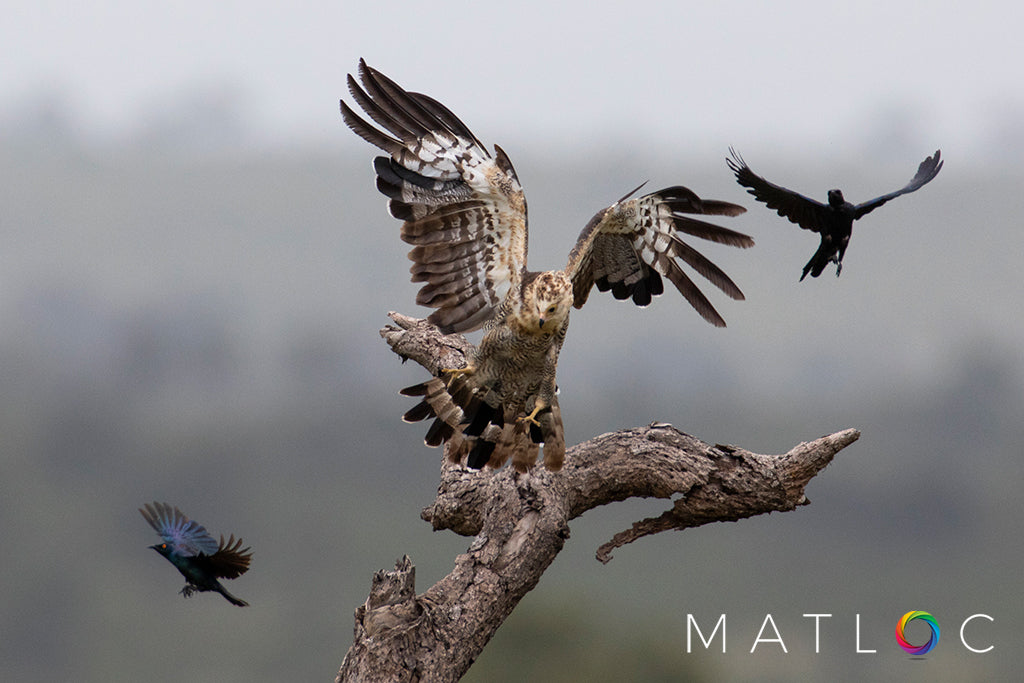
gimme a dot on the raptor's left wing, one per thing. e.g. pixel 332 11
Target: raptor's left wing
pixel 629 246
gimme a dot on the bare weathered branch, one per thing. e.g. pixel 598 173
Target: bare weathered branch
pixel 423 342
pixel 521 521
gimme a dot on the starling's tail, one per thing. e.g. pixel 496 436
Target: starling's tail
pixel 231 598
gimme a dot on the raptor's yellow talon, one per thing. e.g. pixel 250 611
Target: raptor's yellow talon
pixel 455 372
pixel 532 417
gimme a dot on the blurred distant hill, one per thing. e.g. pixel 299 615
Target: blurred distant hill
pixel 197 323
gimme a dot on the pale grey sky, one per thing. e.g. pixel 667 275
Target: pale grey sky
pixel 793 73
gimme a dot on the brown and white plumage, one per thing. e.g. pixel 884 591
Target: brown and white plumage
pixel 464 209
pixel 465 215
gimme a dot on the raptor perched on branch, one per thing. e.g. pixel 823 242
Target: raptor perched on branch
pixel 833 221
pixel 464 212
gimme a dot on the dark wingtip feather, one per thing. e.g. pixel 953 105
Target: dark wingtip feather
pixel 714 207
pixel 480 454
pixel 414 390
pixel 419 412
pixel 536 435
pixel 654 282
pixel 641 294
pixel 735 160
pixel 483 416
pixel 439 432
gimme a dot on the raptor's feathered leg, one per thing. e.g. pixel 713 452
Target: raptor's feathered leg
pixel 553 436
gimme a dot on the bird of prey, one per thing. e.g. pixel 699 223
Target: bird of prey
pixel 465 215
pixel 833 221
pixel 199 558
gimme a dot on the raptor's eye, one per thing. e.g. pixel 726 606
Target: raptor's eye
pixel 551 308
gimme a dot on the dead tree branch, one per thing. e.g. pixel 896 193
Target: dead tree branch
pixel 521 522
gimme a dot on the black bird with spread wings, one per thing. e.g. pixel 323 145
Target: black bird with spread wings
pixel 465 215
pixel 833 221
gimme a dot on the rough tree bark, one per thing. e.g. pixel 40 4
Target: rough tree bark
pixel 520 523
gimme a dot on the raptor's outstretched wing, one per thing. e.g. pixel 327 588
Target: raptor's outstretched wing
pixel 928 169
pixel 629 246
pixel 463 208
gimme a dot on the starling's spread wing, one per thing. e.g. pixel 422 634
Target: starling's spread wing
pixel 463 209
pixel 804 211
pixel 928 169
pixel 186 538
pixel 629 246
pixel 231 560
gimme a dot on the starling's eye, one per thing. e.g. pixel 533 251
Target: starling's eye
pixel 163 546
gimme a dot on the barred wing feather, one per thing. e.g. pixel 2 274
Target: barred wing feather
pixel 463 208
pixel 628 248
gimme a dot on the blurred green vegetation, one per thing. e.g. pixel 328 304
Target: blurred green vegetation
pixel 203 330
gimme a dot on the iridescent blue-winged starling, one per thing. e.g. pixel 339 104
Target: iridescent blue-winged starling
pixel 190 548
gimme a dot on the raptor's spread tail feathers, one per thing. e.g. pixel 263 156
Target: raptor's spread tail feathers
pixel 480 430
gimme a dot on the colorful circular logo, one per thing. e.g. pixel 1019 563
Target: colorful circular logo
pixel 916 649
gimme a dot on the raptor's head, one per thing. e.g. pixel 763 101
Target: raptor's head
pixel 835 198
pixel 547 300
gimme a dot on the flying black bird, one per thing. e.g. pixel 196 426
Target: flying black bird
pixel 199 558
pixel 833 221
